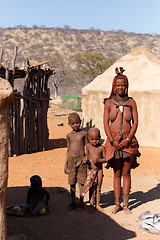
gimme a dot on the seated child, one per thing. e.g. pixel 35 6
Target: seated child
pixel 74 166
pixel 37 197
pixel 95 157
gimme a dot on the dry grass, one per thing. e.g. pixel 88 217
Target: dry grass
pixel 63 44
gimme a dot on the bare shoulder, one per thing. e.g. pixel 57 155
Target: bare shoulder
pixel 132 101
pixel 45 190
pixel 108 101
pixel 102 147
pixel 84 133
pixel 68 135
pixel 88 145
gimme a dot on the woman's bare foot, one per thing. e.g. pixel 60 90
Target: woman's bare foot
pixel 117 208
pixel 99 208
pixel 91 203
pixel 125 204
pixel 126 210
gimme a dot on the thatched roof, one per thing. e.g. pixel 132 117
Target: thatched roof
pixel 142 69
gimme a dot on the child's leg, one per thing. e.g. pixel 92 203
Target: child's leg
pixel 38 207
pixel 80 190
pixel 24 209
pixel 80 204
pixel 92 195
pixel 98 189
pixel 72 205
pixel 81 178
pixel 73 190
pixel 72 179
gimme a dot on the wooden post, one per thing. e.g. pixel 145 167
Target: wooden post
pixel 1 56
pixel 13 65
pixel 10 117
pixel 6 96
pixel 7 71
pixel 26 110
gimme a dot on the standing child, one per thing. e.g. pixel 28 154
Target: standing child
pixel 95 156
pixel 74 166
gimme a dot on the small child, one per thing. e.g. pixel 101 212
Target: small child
pixel 95 157
pixel 74 166
pixel 37 197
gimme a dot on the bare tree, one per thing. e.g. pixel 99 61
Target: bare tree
pixel 56 79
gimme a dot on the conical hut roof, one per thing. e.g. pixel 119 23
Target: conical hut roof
pixel 142 68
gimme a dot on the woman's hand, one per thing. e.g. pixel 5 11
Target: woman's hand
pixel 124 143
pixel 85 159
pixel 116 144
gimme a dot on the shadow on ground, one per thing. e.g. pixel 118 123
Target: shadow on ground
pixel 62 224
pixel 136 199
pixel 56 143
pixel 139 198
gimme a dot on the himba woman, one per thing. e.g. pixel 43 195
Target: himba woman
pixel 120 124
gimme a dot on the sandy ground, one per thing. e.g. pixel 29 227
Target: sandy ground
pixel 62 224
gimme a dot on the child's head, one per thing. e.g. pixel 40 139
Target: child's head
pixel 74 121
pixel 94 136
pixel 36 182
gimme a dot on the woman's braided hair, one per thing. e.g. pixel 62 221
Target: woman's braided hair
pixel 119 75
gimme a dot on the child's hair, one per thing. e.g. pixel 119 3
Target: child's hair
pixel 95 131
pixel 36 180
pixel 73 116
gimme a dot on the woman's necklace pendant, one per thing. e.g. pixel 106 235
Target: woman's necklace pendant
pixel 121 108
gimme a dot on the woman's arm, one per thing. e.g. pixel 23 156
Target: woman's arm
pixel 106 125
pixel 125 142
pixel 66 162
pixel 135 120
pixel 106 120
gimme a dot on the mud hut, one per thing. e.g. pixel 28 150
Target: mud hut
pixel 142 69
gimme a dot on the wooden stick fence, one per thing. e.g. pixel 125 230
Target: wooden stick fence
pixel 28 128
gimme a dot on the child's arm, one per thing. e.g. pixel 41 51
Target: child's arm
pixel 86 156
pixel 47 197
pixel 66 162
pixel 28 197
pixel 86 139
pixel 85 147
pixel 66 165
pixel 103 159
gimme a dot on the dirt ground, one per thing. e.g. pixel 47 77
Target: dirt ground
pixel 62 224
